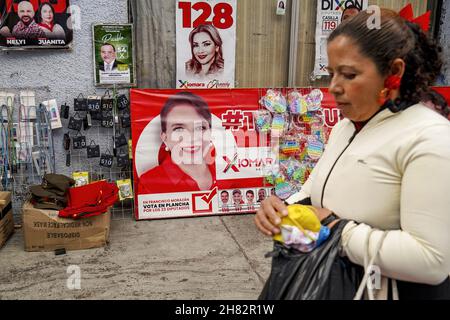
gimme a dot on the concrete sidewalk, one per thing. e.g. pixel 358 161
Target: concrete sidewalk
pixel 197 258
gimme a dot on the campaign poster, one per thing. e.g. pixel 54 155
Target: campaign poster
pixel 206 44
pixel 35 24
pixel 197 153
pixel 114 58
pixel 330 14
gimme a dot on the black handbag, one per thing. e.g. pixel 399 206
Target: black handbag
pixel 123 102
pixel 80 103
pixel 94 103
pixel 125 119
pixel 106 159
pixel 107 120
pixel 79 141
pixel 93 150
pixel 120 140
pixel 123 160
pixel 107 102
pixel 96 115
pixel 75 123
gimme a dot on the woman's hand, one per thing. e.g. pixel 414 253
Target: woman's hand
pixel 268 217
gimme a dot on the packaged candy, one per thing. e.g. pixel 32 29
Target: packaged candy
pixel 314 149
pixel 284 190
pixel 274 101
pixel 290 145
pixel 263 120
pixel 314 100
pixel 297 103
pixel 278 125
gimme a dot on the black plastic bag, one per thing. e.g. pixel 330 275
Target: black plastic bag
pixel 319 275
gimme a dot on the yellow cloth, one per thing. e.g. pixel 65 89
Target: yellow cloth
pixel 302 217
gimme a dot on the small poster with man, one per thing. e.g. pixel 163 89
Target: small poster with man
pixel 114 55
pixel 36 24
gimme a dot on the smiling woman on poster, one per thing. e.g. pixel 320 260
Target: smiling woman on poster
pixel 46 21
pixel 185 157
pixel 206 48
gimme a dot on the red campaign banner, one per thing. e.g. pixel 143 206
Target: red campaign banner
pixel 197 152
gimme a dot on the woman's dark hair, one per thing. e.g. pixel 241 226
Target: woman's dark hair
pixel 200 106
pixel 39 13
pixel 438 101
pixel 218 63
pixel 397 38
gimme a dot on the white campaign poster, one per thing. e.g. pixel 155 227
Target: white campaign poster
pixel 329 16
pixel 206 43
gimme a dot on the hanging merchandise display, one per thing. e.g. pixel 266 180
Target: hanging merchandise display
pixel 28 24
pixel 206 44
pixel 298 133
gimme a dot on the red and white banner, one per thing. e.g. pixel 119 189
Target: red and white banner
pixel 198 152
pixel 206 43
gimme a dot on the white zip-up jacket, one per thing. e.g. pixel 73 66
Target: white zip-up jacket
pixel 394 175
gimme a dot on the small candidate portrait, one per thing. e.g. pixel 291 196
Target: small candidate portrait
pixel 225 201
pixel 109 62
pixel 261 195
pixel 186 155
pixel 206 49
pixel 237 199
pixel 281 4
pixel 46 21
pixel 27 28
pixel 250 199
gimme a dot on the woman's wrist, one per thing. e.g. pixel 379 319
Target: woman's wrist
pixel 330 219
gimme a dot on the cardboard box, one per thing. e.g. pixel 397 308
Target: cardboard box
pixel 6 217
pixel 43 230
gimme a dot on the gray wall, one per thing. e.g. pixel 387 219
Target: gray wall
pixel 62 75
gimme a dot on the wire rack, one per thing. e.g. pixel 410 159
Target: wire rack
pixel 27 137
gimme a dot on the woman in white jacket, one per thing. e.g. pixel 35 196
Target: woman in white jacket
pixel 386 167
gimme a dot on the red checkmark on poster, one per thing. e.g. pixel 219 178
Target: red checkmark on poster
pixel 208 198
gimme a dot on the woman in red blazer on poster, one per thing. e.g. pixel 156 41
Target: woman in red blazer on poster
pixel 186 156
